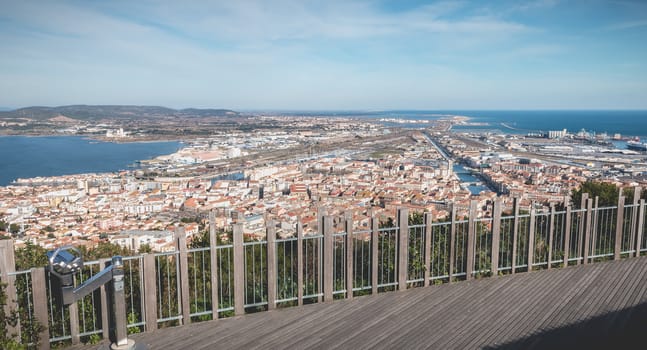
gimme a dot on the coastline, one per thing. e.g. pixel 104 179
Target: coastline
pixel 75 155
pixel 100 138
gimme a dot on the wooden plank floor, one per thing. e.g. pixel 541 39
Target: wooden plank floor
pixel 602 305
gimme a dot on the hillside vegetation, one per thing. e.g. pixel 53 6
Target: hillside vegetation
pixel 85 112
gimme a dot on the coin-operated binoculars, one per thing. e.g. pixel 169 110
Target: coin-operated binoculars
pixel 65 262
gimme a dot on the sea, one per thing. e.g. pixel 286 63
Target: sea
pixel 27 157
pixel 627 123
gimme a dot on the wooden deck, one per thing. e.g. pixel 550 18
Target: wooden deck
pixel 592 306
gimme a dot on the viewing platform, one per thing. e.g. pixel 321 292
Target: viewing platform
pixel 600 305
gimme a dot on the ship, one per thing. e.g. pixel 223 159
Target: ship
pixel 637 145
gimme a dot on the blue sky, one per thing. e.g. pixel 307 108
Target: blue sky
pixel 359 55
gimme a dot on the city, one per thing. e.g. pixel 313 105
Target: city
pixel 329 164
pixel 345 174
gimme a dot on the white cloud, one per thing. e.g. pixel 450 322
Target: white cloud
pixel 296 20
pixel 627 25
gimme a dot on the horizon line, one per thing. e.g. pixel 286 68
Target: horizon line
pixel 333 110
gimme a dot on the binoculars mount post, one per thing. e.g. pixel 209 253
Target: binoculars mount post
pixel 66 261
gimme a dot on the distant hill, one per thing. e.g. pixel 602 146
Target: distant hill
pixel 85 112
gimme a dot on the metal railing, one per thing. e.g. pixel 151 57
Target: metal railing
pixel 248 275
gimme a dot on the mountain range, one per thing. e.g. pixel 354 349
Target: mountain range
pixel 96 112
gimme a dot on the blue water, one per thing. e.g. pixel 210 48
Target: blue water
pixel 627 123
pixel 466 177
pixel 26 157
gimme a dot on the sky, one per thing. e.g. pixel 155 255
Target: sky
pixel 325 55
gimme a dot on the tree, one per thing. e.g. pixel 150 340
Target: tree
pixel 104 250
pixel 629 195
pixel 145 249
pixel 30 256
pixel 416 260
pixel 6 321
pixel 190 220
pixel 606 192
pixel 7 340
pixel 14 228
pixel 200 240
pixel 30 329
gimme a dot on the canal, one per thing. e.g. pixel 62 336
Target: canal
pixel 474 184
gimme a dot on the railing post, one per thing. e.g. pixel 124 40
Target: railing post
pixel 639 233
pixel 587 230
pixel 567 234
pixel 374 245
pixel 105 322
pixel 428 234
pixel 38 284
pixel 634 218
pixel 515 233
pixel 321 213
pixel 328 261
pixel 74 323
pixel 403 248
pixel 471 240
pixel 585 197
pixel 594 226
pixel 8 265
pixel 299 262
pixel 582 229
pixel 271 264
pixel 180 238
pixel 349 254
pixel 213 260
pixel 531 238
pixel 239 270
pixel 496 237
pixel 150 292
pixel 619 227
pixel 551 233
pixel 452 241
